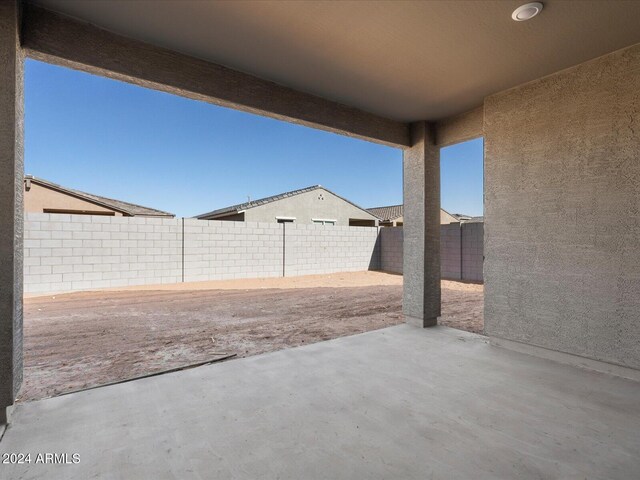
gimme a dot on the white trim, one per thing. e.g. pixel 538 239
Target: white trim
pixel 325 220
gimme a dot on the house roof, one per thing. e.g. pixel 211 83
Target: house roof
pixel 240 207
pixel 392 212
pixel 461 217
pixel 387 214
pixel 117 205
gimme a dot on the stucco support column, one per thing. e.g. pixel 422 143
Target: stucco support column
pixel 421 263
pixel 11 213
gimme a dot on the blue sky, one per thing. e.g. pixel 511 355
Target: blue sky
pixel 162 151
pixel 461 176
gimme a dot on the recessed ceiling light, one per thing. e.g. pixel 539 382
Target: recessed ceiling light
pixel 527 11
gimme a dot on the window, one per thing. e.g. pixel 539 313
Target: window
pixel 77 212
pixel 324 221
pixel 356 222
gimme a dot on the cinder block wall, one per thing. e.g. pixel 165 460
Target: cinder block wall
pixel 472 235
pixel 562 202
pixel 450 251
pixel 80 252
pixel 218 250
pixel 454 242
pixel 391 251
pixel 316 249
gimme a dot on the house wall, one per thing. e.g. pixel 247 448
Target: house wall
pixel 11 198
pixel 562 202
pixel 306 206
pixel 37 198
pixel 447 218
pixel 234 217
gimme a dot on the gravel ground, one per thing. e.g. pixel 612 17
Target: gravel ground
pixel 79 340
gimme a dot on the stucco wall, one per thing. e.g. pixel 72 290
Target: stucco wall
pixel 421 296
pixel 306 206
pixel 562 201
pixel 11 173
pixel 446 218
pixel 37 198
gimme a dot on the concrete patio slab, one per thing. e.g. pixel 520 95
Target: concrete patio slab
pixel 394 403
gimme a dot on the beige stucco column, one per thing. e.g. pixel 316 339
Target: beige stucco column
pixel 421 263
pixel 11 222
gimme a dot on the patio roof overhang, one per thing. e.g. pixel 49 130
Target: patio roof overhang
pixel 401 61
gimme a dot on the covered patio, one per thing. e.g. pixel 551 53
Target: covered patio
pixel 557 101
pixel 393 403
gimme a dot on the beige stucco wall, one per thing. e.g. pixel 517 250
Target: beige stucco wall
pixel 307 206
pixel 446 218
pixel 37 198
pixel 11 231
pixel 562 203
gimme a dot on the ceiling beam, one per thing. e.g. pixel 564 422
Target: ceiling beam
pixel 460 128
pixel 62 40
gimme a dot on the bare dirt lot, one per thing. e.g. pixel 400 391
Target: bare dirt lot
pixel 79 340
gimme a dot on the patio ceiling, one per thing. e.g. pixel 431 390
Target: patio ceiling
pixel 401 60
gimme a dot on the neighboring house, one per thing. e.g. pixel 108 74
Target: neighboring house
pixel 392 216
pixel 313 204
pixel 474 220
pixel 43 196
pixel 461 217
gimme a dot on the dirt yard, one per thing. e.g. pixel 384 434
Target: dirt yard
pixel 79 340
